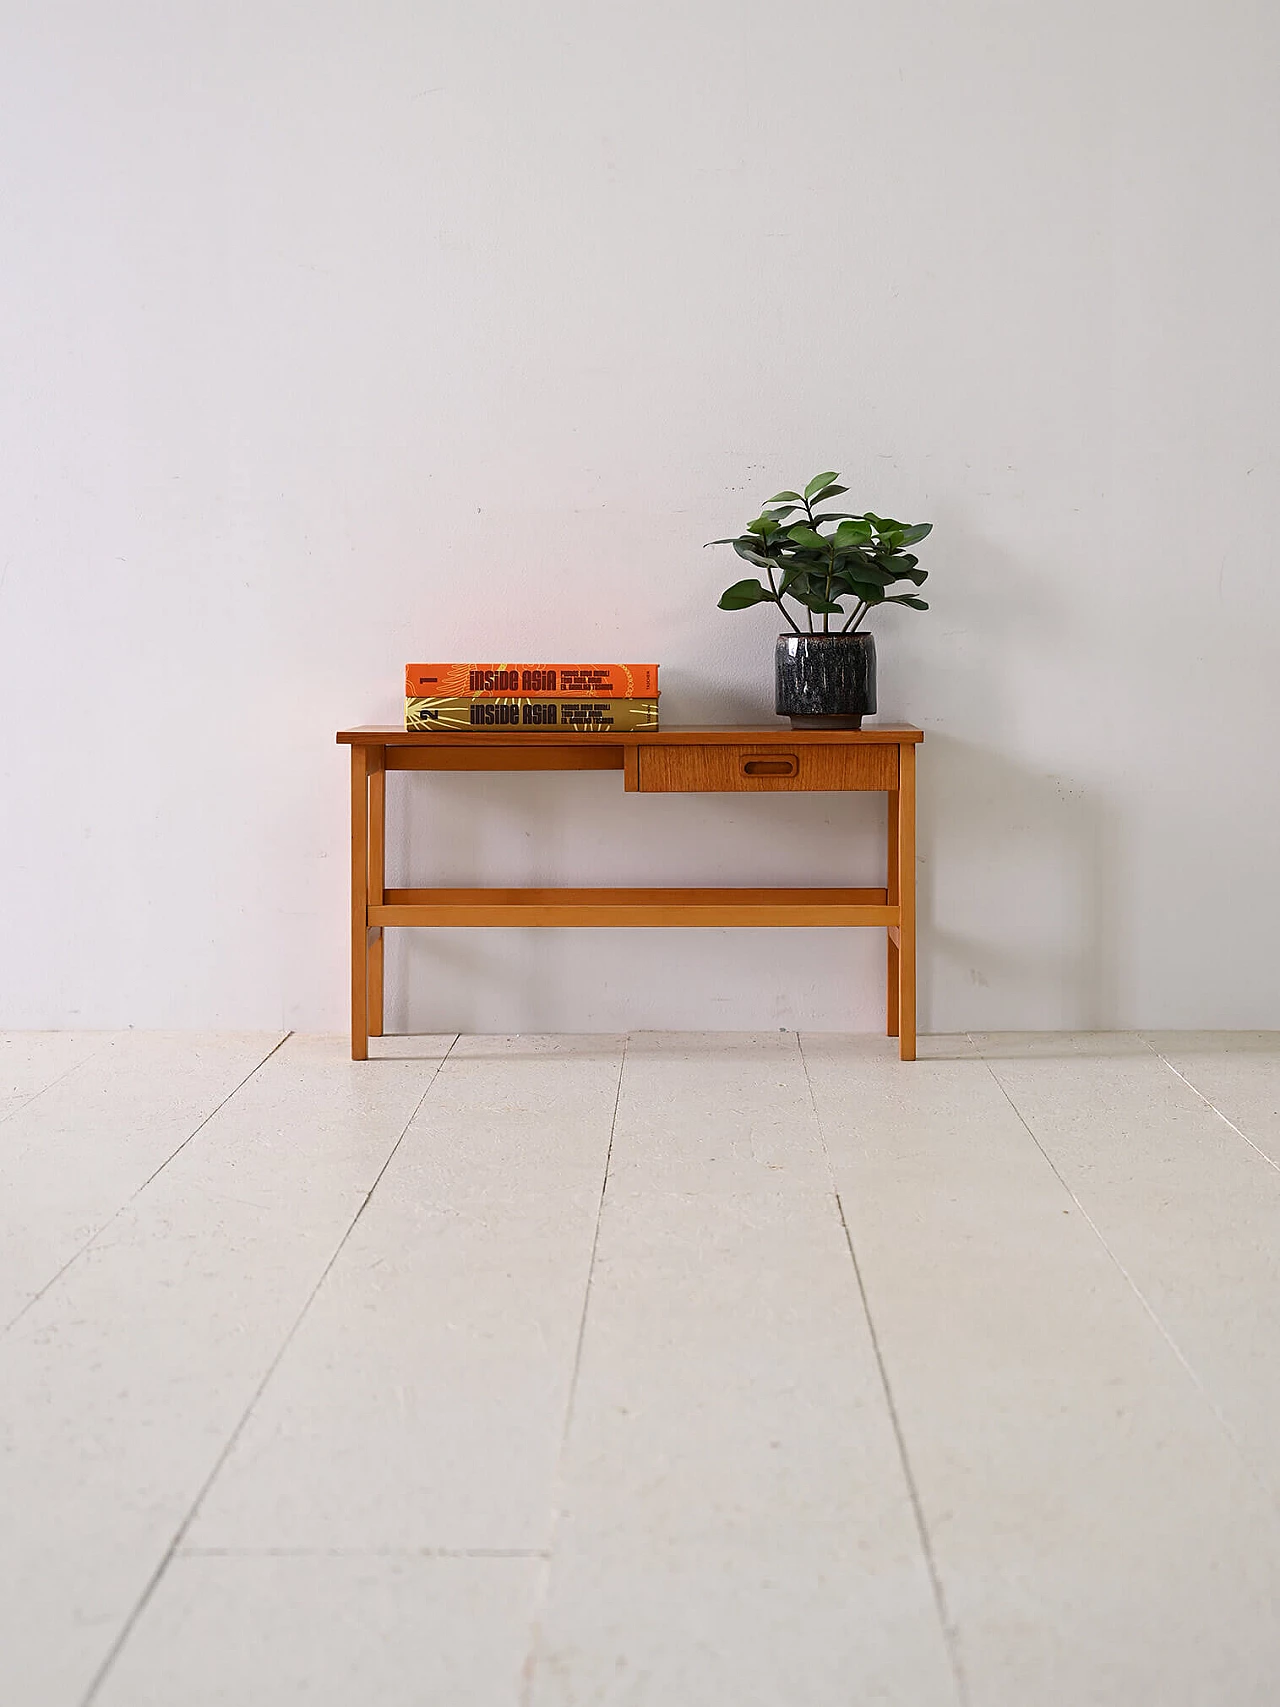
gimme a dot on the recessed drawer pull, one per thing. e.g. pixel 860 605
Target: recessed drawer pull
pixel 690 767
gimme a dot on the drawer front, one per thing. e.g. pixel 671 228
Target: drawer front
pixel 725 769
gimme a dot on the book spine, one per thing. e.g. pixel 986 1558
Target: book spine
pixel 532 681
pixel 520 715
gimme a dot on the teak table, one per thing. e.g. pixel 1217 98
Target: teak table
pixel 660 761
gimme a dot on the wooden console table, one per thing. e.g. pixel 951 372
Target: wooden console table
pixel 661 761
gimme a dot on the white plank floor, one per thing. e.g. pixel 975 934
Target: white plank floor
pixel 670 1371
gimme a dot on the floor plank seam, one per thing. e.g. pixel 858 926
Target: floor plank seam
pixel 535 1629
pixel 1210 1104
pixel 137 1193
pixel 170 1552
pixel 73 1068
pixel 950 1635
pixel 155 1174
pixel 1138 1293
pixel 362 1553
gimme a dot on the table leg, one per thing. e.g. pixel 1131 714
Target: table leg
pixel 907 901
pixel 893 957
pixel 377 879
pixel 359 903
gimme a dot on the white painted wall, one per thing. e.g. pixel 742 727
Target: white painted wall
pixel 339 334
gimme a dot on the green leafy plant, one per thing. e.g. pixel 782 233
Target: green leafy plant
pixel 858 559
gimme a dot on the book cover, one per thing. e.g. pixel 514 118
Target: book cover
pixel 532 681
pixel 517 715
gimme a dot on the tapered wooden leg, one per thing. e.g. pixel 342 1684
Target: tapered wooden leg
pixel 377 879
pixel 892 957
pixel 359 903
pixel 907 901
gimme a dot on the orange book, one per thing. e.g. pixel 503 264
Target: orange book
pixel 532 681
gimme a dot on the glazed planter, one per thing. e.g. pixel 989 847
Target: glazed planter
pixel 826 681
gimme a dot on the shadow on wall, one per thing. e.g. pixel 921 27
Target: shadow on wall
pixel 1019 916
pixel 1019 866
pixel 1018 910
pixel 566 829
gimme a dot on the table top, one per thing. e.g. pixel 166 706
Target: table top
pixel 776 734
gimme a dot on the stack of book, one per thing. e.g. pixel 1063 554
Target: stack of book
pixel 514 698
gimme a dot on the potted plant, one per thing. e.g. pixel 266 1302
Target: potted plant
pixel 826 677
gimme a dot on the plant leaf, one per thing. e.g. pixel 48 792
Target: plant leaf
pixel 816 602
pixel 856 568
pixel 913 535
pixel 749 551
pixel 818 482
pixel 807 537
pixel 907 599
pixel 856 530
pixel 827 492
pixel 782 497
pixel 919 576
pixel 743 594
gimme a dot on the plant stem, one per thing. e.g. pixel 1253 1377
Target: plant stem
pixel 773 588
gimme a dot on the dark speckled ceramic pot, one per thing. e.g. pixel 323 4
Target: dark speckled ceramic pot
pixel 826 681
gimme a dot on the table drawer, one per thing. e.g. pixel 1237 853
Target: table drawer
pixel 725 769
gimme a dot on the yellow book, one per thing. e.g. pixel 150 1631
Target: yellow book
pixel 513 716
